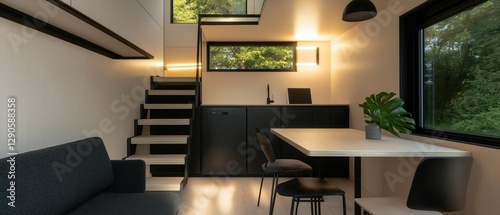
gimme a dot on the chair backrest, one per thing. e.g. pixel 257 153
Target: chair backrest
pixel 265 145
pixel 440 184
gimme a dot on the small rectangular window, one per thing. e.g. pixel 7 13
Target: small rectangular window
pixel 186 11
pixel 251 56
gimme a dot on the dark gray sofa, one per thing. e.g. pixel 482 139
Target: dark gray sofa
pixel 79 178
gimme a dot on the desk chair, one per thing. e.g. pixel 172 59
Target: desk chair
pixel 277 167
pixel 439 185
pixel 309 188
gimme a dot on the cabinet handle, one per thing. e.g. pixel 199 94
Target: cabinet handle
pixel 220 113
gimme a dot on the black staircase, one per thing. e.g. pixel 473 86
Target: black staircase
pixel 163 132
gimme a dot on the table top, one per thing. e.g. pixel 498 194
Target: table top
pixel 339 142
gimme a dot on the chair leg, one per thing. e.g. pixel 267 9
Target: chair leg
pixel 260 190
pixel 297 206
pixel 316 204
pixel 312 202
pixel 293 203
pixel 319 206
pixel 343 204
pixel 273 193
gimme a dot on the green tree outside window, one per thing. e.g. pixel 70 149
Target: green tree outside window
pixel 186 11
pixel 461 72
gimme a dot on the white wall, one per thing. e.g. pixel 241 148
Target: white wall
pixel 250 87
pixel 180 45
pixel 365 60
pixel 65 93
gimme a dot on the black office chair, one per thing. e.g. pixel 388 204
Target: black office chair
pixel 313 189
pixel 440 184
pixel 277 167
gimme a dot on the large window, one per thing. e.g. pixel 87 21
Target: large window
pixel 251 56
pixel 186 11
pixel 451 69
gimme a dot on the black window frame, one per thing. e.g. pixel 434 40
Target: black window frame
pixel 284 44
pixel 411 52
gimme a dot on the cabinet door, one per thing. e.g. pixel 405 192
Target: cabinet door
pixel 339 117
pixel 263 118
pixel 330 117
pixel 296 117
pixel 321 117
pixel 223 141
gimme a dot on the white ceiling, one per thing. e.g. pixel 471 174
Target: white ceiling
pixel 291 20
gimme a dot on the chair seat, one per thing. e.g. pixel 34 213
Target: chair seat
pixel 308 187
pixel 389 206
pixel 286 166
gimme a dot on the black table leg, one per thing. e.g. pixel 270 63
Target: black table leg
pixel 357 184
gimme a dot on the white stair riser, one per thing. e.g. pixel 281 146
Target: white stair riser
pixel 163 122
pixel 171 92
pixel 167 106
pixel 174 79
pixel 163 183
pixel 160 139
pixel 157 159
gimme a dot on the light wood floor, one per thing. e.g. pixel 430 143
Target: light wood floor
pixel 238 196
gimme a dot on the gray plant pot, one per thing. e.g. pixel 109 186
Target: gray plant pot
pixel 373 132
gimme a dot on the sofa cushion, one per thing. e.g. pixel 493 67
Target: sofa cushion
pixel 57 179
pixel 151 203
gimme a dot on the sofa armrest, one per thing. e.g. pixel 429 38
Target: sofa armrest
pixel 129 176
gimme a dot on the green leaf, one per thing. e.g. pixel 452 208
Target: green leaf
pixel 386 110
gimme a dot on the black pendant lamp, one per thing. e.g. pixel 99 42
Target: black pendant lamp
pixel 359 10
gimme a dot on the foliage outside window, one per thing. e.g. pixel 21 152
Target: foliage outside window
pixel 186 11
pixel 457 92
pixel 247 56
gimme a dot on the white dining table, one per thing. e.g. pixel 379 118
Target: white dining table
pixel 346 142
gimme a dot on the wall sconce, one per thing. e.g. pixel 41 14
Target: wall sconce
pixel 307 56
pixel 181 66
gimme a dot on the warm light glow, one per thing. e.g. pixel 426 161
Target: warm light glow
pixel 307 56
pixel 306 64
pixel 222 193
pixel 182 66
pixel 307 47
pixel 306 33
pixel 307 24
pixel 225 199
pixel 157 63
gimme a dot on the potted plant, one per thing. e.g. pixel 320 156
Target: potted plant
pixel 385 111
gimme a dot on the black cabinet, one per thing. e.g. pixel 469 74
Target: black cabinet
pixel 330 117
pixel 318 117
pixel 264 118
pixel 229 145
pixel 223 141
pixel 296 117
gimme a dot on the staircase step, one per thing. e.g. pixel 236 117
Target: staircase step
pixel 168 106
pixel 174 79
pixel 171 92
pixel 160 159
pixel 164 183
pixel 160 139
pixel 163 122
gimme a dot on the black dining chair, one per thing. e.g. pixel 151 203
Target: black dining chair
pixel 277 167
pixel 311 189
pixel 439 185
